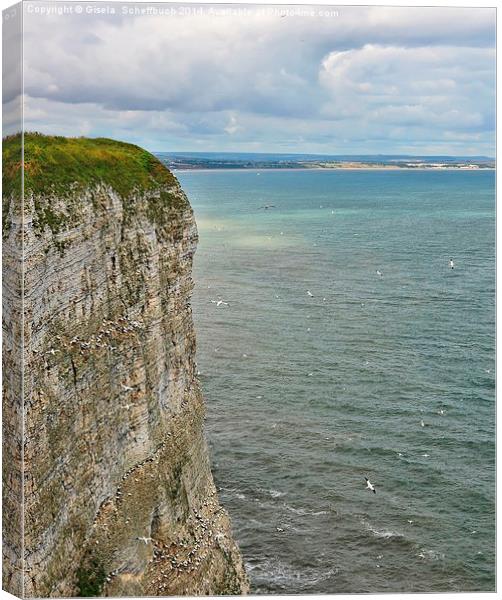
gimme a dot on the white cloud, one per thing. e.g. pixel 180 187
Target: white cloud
pixel 241 82
pixel 434 86
pixel 232 126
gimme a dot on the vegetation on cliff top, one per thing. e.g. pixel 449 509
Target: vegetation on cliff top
pixel 56 164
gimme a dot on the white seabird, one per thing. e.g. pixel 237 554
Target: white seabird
pixel 370 486
pixel 451 264
pixel 309 293
pixel 219 302
pixel 379 273
pixel 126 388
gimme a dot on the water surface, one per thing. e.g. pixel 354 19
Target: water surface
pixel 307 395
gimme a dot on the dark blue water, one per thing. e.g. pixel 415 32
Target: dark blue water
pixel 386 376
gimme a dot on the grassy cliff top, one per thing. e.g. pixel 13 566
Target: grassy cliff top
pixel 57 164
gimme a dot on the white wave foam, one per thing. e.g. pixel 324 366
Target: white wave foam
pixel 282 573
pixel 381 533
pixel 430 554
pixel 305 511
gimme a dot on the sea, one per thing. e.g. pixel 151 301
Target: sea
pixel 347 348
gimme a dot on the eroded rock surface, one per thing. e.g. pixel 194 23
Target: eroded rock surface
pixel 119 496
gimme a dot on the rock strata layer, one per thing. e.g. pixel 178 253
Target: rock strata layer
pixel 119 496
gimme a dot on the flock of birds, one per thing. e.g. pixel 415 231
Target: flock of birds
pixel 379 273
pixel 187 552
pixel 220 302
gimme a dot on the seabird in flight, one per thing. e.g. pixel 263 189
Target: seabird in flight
pixel 370 486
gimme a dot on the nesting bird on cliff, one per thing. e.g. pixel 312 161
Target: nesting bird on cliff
pixel 144 539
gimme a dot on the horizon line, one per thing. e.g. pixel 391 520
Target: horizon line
pixel 316 154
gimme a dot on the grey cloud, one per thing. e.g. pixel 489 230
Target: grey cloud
pixel 430 86
pixel 369 74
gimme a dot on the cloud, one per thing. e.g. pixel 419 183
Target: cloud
pixel 227 81
pixel 232 126
pixel 427 87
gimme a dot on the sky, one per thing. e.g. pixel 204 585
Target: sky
pixel 353 80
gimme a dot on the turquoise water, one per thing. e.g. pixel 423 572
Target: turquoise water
pixel 307 395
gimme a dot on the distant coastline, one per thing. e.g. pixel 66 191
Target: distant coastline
pixel 326 169
pixel 277 162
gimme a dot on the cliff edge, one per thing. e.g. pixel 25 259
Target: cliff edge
pixel 119 498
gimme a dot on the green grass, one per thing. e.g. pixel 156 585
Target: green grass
pixel 56 166
pixel 59 164
pixel 11 175
pixel 90 579
pixel 11 165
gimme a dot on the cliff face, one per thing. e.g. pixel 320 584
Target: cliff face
pixel 119 497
